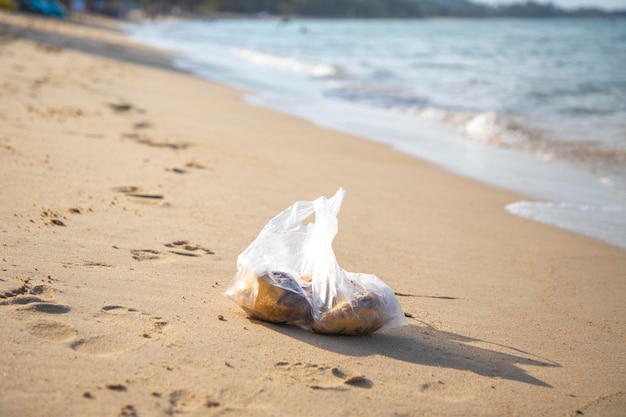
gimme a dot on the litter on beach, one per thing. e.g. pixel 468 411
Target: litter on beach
pixel 289 274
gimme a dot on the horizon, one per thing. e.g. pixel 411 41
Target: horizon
pixel 609 5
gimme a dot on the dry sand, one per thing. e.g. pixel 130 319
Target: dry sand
pixel 129 189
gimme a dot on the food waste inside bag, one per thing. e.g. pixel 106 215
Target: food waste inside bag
pixel 289 274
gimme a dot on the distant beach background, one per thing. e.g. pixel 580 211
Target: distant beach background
pixel 533 106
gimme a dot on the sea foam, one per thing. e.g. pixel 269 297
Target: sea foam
pixel 285 63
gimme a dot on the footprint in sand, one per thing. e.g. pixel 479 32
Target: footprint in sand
pixel 120 107
pixel 47 308
pixel 176 170
pixel 178 247
pixel 129 329
pixel 120 329
pixel 153 325
pixel 139 195
pixel 319 377
pixel 145 254
pixel 27 302
pixel 105 344
pixel 51 330
pixel 184 401
pixel 11 290
pixel 186 248
pixel 29 298
pixel 142 125
pixel 189 167
pixel 58 113
pixel 128 411
pixel 144 139
pixel 56 217
pixel 612 404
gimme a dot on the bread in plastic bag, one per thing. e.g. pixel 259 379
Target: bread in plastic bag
pixel 289 274
pixel 275 297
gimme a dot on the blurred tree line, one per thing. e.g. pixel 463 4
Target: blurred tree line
pixel 357 8
pixel 319 8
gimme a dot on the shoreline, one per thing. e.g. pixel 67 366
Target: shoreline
pixel 566 193
pixel 509 316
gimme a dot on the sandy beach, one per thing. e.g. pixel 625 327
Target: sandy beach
pixel 128 190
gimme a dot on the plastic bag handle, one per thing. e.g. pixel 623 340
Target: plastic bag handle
pixel 285 237
pixel 323 263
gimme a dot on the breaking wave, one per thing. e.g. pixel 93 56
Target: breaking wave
pixel 284 63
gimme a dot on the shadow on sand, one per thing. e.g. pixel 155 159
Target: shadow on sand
pixel 425 345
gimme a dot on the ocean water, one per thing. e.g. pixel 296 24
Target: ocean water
pixel 533 106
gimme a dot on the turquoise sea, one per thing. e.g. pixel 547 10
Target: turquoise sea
pixel 533 106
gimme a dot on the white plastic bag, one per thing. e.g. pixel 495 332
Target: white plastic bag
pixel 289 274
